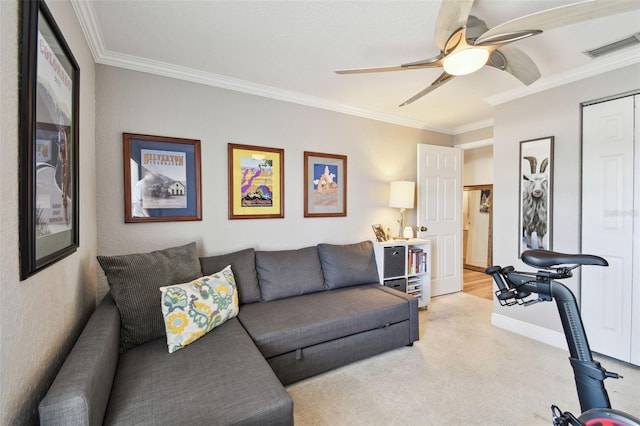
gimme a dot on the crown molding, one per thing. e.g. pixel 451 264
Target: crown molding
pixel 475 144
pixel 101 55
pixel 216 80
pixel 89 24
pixel 164 69
pixel 473 126
pixel 597 67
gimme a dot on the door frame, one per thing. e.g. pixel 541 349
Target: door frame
pixel 490 230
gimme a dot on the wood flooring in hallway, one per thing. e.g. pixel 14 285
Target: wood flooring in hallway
pixel 478 284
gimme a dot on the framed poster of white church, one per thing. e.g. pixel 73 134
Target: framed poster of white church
pixel 161 179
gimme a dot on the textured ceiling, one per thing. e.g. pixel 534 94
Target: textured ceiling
pixel 289 50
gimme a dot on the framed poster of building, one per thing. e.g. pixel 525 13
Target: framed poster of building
pixel 162 180
pixel 325 185
pixel 256 182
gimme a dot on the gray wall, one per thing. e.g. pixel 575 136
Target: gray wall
pixel 41 317
pixel 130 101
pixel 555 112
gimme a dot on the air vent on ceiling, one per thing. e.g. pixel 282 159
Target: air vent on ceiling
pixel 632 40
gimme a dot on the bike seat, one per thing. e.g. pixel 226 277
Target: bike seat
pixel 546 259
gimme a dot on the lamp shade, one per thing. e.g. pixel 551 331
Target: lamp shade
pixel 401 194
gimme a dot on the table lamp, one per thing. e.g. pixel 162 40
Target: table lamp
pixel 401 195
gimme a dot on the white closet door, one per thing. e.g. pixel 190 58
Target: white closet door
pixel 635 302
pixel 607 225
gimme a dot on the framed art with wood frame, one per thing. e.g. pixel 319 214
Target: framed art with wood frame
pixel 256 182
pixel 325 185
pixel 49 131
pixel 536 194
pixel 162 181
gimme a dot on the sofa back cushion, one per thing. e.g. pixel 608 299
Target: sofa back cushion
pixel 243 265
pixel 289 273
pixel 135 281
pixel 349 264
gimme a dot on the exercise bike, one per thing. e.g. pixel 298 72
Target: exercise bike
pixel 516 287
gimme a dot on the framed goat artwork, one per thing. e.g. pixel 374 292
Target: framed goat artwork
pixel 536 194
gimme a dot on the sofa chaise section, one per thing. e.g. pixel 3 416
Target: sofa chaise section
pixel 221 379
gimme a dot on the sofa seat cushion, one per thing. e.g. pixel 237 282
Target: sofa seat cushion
pixel 285 325
pixel 220 379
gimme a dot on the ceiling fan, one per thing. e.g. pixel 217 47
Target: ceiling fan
pixel 466 43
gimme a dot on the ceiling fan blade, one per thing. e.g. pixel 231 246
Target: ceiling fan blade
pixel 515 62
pixel 475 27
pixel 367 70
pixel 452 16
pixel 556 17
pixel 424 63
pixel 444 77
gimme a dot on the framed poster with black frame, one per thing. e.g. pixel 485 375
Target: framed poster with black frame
pixel 162 180
pixel 49 129
pixel 536 194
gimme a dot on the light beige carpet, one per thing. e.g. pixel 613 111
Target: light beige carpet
pixel 462 371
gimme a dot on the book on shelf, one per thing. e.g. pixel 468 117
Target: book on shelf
pixel 417 261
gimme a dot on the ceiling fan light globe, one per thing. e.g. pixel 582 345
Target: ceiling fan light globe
pixel 466 61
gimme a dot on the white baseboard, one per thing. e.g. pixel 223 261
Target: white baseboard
pixel 532 331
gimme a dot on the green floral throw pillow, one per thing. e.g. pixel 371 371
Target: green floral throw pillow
pixel 191 310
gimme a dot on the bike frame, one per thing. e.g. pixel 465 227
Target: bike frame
pixel 589 374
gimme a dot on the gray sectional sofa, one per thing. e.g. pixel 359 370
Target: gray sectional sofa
pixel 301 313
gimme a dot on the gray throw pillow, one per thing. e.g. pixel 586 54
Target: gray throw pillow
pixel 135 281
pixel 243 265
pixel 289 273
pixel 349 264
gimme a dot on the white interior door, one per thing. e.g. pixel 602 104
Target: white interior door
pixel 440 210
pixel 608 217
